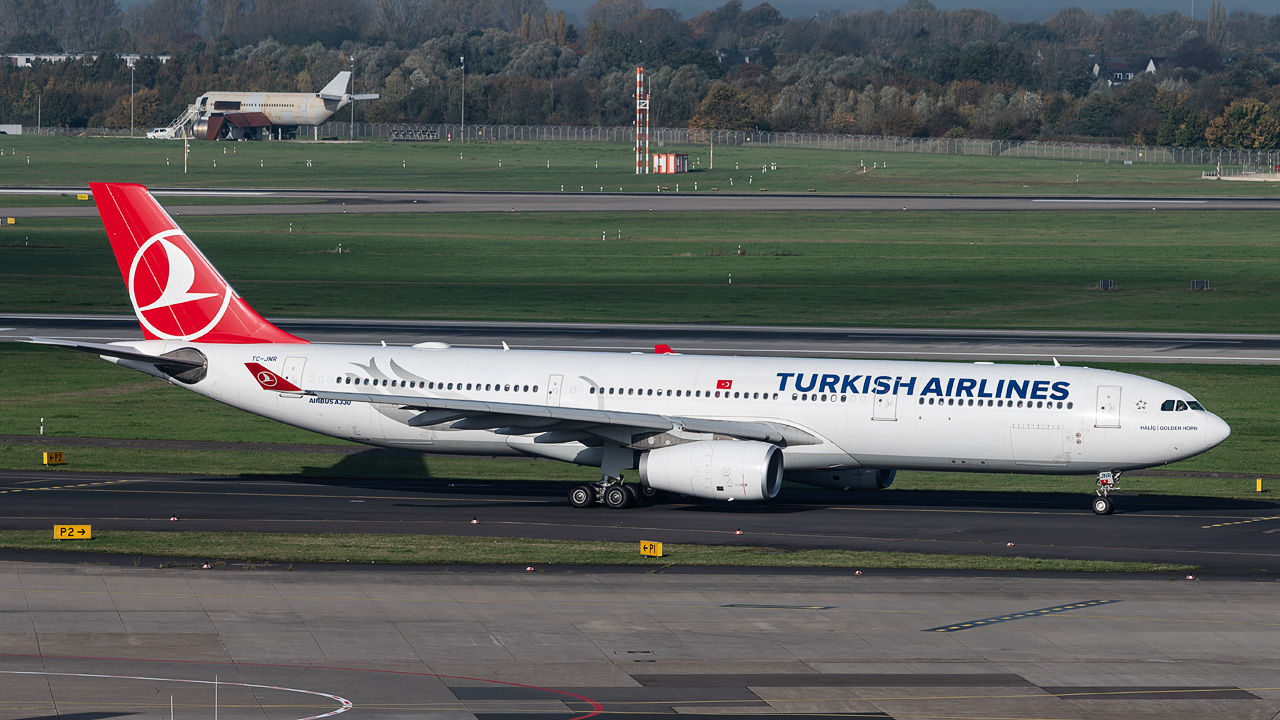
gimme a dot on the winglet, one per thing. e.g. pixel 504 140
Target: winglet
pixel 269 380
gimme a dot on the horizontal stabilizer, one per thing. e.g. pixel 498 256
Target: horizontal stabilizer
pixel 120 352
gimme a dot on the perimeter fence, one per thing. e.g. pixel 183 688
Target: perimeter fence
pixel 664 137
pixel 667 137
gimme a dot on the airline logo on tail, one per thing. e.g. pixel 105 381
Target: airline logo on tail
pixel 269 380
pixel 163 290
pixel 176 293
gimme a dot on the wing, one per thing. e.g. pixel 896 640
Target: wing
pixel 521 419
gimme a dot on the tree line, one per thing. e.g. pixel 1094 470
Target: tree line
pixel 914 71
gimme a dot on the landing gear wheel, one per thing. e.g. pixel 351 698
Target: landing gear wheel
pixel 616 497
pixel 1103 505
pixel 582 496
pixel 633 495
pixel 648 493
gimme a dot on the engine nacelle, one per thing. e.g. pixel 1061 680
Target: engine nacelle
pixel 845 479
pixel 715 469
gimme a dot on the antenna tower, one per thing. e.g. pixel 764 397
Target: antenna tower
pixel 642 124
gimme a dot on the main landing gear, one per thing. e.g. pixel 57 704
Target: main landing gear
pixel 1103 505
pixel 610 492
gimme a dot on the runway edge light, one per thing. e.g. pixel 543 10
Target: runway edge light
pixel 72 532
pixel 649 548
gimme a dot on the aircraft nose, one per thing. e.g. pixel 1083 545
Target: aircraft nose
pixel 1216 431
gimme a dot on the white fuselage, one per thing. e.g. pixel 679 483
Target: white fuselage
pixel 863 413
pixel 282 109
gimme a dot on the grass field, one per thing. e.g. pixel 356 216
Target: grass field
pixel 79 395
pixel 929 269
pixel 590 167
pixel 453 550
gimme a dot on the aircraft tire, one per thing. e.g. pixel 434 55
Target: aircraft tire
pixel 617 497
pixel 633 495
pixel 1103 505
pixel 582 496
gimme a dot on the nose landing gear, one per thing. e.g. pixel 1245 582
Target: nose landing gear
pixel 1102 504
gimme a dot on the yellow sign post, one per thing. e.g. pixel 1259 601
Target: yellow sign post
pixel 10 221
pixel 72 532
pixel 55 458
pixel 82 196
pixel 651 549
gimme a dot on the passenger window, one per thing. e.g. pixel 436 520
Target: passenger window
pixel 631 391
pixel 650 391
pixel 592 391
pixel 1166 406
pixel 794 396
pixel 506 388
pixel 1070 405
pixel 535 388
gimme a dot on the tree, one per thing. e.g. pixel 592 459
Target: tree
pixel 612 13
pixel 724 108
pixel 1245 124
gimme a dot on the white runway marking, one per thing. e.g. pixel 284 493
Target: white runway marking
pixel 345 704
pixel 1118 201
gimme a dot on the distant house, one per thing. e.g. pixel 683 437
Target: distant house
pixel 1119 70
pixel 746 56
pixel 24 60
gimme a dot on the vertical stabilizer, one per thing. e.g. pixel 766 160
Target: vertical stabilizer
pixel 338 85
pixel 175 292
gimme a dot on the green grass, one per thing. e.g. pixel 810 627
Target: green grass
pixel 991 270
pixel 451 550
pixel 575 166
pixel 80 395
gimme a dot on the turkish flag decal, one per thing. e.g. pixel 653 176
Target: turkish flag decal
pixel 724 384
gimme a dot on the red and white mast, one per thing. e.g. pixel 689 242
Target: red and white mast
pixel 642 123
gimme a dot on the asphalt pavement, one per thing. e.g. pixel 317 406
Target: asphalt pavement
pixel 1226 537
pixel 395 201
pixel 848 342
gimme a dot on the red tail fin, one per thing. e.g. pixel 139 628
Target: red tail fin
pixel 176 293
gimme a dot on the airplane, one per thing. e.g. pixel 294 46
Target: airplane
pixel 710 427
pixel 245 116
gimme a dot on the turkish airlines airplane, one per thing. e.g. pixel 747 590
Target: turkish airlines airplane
pixel 725 428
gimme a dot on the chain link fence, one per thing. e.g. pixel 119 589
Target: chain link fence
pixel 663 137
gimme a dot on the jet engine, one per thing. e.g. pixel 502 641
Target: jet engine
pixel 845 479
pixel 715 469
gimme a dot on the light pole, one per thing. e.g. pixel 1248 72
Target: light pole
pixel 131 101
pixel 353 99
pixel 463 62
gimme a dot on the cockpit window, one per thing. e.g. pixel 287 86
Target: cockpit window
pixel 1195 405
pixel 1167 406
pixel 1181 406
